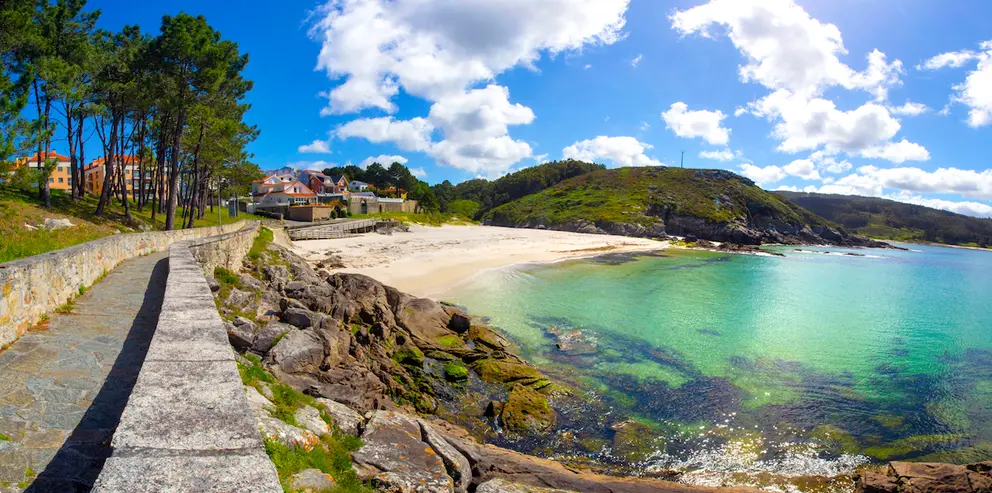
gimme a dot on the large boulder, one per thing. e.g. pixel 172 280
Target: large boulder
pixel 425 319
pixel 505 371
pixel 308 417
pixel 457 465
pixel 287 434
pixel 527 412
pixel 239 299
pixel 276 275
pixel 346 419
pixel 241 335
pixel 299 317
pixel 298 351
pixel 367 297
pixel 503 486
pixel 311 481
pixel 394 456
pixel 268 335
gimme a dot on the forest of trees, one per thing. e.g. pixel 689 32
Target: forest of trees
pixel 396 175
pixel 481 195
pixel 882 218
pixel 173 99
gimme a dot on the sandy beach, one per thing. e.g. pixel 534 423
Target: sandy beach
pixel 429 261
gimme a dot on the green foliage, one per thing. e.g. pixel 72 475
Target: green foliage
pixel 888 219
pixel 225 276
pixel 643 195
pixel 331 456
pixel 491 194
pixel 455 372
pixel 4 438
pixel 465 208
pixel 261 243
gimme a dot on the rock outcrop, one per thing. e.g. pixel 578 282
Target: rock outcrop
pixel 923 477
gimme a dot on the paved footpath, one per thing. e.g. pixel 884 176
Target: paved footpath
pixel 62 389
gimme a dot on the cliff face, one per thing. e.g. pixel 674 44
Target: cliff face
pixel 654 202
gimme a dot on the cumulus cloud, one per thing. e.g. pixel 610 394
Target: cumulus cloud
pixel 802 168
pixel 897 152
pixel 700 123
pixel 953 59
pixel 438 49
pixel 636 60
pixel 976 209
pixel 786 48
pixel 409 135
pixel 419 172
pixel 382 159
pixel 620 151
pixel 829 164
pixel 797 57
pixel 315 147
pixel 763 175
pixel 909 109
pixel 720 155
pixel 318 165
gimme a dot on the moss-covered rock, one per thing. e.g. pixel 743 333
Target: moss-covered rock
pixel 527 412
pixel 450 341
pixel 487 337
pixel 505 371
pixel 454 372
pixel 409 355
pixel 912 445
pixel 634 442
pixel 835 440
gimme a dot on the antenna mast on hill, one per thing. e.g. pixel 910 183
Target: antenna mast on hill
pixel 682 161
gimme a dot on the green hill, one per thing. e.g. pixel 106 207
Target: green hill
pixel 888 219
pixel 715 205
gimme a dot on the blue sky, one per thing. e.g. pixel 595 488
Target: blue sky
pixel 839 96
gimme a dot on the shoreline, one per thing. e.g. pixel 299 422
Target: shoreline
pixel 431 261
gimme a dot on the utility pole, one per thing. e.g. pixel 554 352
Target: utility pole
pixel 682 161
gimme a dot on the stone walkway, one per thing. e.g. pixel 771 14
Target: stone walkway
pixel 62 389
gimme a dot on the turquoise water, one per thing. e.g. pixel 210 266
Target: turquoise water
pixel 808 363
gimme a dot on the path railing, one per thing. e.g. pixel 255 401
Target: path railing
pixel 331 230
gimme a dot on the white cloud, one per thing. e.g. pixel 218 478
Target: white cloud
pixel 976 90
pixel 797 57
pixel 540 158
pixel 802 168
pixel 700 123
pixel 437 49
pixel 620 151
pixel 382 159
pixel 763 175
pixel 587 66
pixel 318 165
pixel 787 49
pixel 976 209
pixel 953 59
pixel 409 135
pixel 636 60
pixel 721 155
pixel 645 126
pixel 829 164
pixel 897 152
pixel 909 109
pixel 419 172
pixel 315 147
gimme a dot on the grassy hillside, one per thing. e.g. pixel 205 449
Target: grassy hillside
pixel 888 219
pixel 648 201
pixel 19 208
pixel 627 194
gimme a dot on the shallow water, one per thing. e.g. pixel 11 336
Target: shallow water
pixel 807 364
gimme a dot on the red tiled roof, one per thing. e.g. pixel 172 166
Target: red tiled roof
pixel 45 156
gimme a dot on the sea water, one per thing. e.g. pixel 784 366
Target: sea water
pixel 811 363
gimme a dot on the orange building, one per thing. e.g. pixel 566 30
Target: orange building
pixel 61 177
pixel 95 171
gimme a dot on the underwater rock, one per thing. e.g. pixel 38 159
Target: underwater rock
pixel 633 442
pixel 527 412
pixel 573 342
pixel 505 371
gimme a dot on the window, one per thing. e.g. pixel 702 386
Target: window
pixel 60 180
pixel 60 169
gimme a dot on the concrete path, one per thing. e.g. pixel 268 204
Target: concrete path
pixel 62 389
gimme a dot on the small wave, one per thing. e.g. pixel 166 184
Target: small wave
pixel 837 254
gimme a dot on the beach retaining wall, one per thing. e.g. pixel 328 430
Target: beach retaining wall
pixel 187 425
pixel 35 286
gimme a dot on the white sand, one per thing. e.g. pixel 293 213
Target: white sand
pixel 430 261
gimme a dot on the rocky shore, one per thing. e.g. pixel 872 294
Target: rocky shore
pixel 402 374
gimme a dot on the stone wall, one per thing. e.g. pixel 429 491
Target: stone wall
pixel 227 250
pixel 35 286
pixel 187 425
